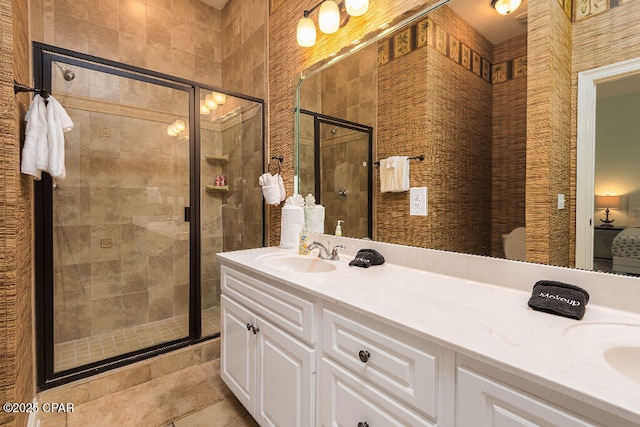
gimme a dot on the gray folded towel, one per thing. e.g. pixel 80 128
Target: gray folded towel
pixel 559 298
pixel 367 257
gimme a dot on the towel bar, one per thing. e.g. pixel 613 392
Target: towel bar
pixel 420 157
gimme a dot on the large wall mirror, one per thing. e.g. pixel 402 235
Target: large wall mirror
pixel 448 83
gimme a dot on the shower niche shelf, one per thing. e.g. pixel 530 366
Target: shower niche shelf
pixel 217 188
pixel 216 158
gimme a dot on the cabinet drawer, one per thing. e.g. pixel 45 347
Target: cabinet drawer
pixel 287 311
pixel 349 401
pixel 407 371
pixel 484 402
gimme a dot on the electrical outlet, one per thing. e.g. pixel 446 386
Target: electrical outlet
pixel 106 242
pixel 418 201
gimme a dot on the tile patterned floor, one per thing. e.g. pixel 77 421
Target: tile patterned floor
pixel 78 352
pixel 192 397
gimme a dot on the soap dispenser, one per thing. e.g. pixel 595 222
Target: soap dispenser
pixel 339 228
pixel 303 246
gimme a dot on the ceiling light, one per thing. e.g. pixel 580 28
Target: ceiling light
pixel 505 7
pixel 203 108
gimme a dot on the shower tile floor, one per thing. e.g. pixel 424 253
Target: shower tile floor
pixel 82 351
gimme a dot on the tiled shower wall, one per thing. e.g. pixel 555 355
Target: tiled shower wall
pixel 346 90
pixel 115 190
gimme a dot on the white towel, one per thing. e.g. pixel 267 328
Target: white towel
pixel 283 191
pixel 314 218
pixel 394 174
pixel 270 189
pixel 58 122
pixel 291 226
pixel 35 151
pixel 44 139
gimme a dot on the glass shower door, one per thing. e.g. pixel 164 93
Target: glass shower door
pixel 344 177
pixel 121 240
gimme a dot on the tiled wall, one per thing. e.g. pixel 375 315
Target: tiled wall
pixel 177 37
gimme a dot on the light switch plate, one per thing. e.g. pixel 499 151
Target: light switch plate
pixel 560 201
pixel 418 201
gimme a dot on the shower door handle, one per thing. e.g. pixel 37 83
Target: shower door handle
pixel 187 213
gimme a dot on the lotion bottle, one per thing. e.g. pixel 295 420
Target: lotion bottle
pixel 303 245
pixel 339 228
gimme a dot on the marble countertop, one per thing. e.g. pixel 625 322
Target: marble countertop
pixel 490 323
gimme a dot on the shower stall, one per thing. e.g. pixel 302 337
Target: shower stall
pixel 336 166
pixel 161 174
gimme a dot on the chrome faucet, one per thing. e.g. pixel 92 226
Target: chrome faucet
pixel 323 252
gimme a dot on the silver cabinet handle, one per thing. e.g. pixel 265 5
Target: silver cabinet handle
pixel 249 326
pixel 252 328
pixel 364 356
pixel 363 424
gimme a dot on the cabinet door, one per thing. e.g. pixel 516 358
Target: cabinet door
pixel 286 379
pixel 237 353
pixel 484 402
pixel 348 401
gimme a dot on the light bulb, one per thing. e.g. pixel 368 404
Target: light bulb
pixel 306 32
pixel 203 108
pixel 170 131
pixel 219 98
pixel 210 103
pixel 179 125
pixel 329 17
pixel 356 7
pixel 505 7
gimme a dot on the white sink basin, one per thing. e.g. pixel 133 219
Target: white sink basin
pixel 618 344
pixel 297 263
pixel 625 360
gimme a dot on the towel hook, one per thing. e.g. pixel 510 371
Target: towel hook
pixel 279 159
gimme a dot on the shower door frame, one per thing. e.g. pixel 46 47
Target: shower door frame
pixel 46 377
pixel 319 119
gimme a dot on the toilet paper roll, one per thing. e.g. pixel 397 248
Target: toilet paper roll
pixel 291 226
pixel 314 218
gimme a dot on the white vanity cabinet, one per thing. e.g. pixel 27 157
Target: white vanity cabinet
pixel 269 368
pixel 373 374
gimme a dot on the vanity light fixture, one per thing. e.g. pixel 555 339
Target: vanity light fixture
pixel 331 17
pixel 505 7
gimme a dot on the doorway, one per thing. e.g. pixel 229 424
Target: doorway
pixel 589 83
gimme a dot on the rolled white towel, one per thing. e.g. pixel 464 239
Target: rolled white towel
pixel 314 218
pixel 283 191
pixel 271 194
pixel 291 226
